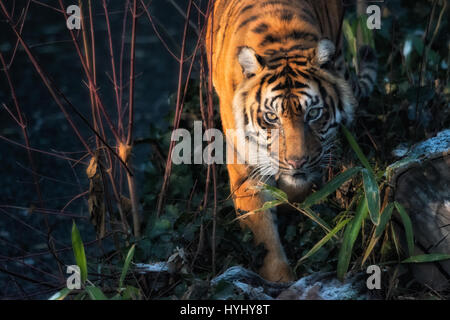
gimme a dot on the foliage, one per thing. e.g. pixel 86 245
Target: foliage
pixel 343 226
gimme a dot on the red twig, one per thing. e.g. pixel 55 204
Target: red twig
pixel 178 111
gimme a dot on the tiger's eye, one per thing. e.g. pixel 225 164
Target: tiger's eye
pixel 314 114
pixel 270 117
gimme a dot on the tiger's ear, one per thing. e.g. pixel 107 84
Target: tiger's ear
pixel 324 52
pixel 250 62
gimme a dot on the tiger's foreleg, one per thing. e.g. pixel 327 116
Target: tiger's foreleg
pixel 262 223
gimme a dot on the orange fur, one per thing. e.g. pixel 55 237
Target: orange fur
pixel 290 32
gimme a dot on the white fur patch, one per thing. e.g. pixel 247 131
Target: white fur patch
pixel 248 61
pixel 325 51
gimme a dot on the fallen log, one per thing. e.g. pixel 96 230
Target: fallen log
pixel 420 181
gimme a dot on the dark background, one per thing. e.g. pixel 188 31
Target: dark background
pixel 23 237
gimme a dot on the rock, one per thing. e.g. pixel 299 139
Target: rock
pixel 318 286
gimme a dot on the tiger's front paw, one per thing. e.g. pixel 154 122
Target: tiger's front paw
pixel 276 270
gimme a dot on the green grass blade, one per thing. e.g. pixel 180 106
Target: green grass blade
pixel 354 145
pixel 367 35
pixel 432 257
pixel 266 206
pixel 126 265
pixel 276 193
pixel 350 235
pixel 350 37
pixel 314 217
pixel 95 293
pixel 372 195
pixel 408 227
pixel 322 242
pixel 330 187
pixel 385 217
pixel 78 251
pixel 60 295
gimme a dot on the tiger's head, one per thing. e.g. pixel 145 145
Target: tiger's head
pixel 298 93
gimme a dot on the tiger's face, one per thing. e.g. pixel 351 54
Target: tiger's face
pixel 295 101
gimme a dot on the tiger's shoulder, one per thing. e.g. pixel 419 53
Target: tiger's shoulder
pixel 269 27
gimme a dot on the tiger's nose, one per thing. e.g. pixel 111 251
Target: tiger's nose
pixel 297 163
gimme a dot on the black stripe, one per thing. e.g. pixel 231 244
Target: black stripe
pixel 307 12
pixel 245 22
pixel 365 87
pixel 247 8
pixel 300 85
pixel 305 94
pixel 288 71
pixel 284 57
pixel 299 63
pixel 270 52
pixel 269 39
pixel 301 35
pixel 286 15
pixel 274 2
pixel 273 78
pixel 367 78
pixel 302 74
pixel 298 47
pixel 258 92
pixel 274 66
pixel 308 19
pixel 261 28
pixel 281 86
pixel 370 67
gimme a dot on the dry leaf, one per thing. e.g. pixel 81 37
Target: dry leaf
pixel 96 200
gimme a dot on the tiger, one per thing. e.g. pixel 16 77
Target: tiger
pixel 277 66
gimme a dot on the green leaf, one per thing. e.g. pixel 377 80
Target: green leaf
pixel 60 295
pixel 322 242
pixel 131 293
pixel 266 206
pixel 330 187
pixel 432 257
pixel 372 196
pixel 367 35
pixel 269 205
pixel 95 293
pixel 78 251
pixel 408 227
pixel 314 217
pixel 349 36
pixel 350 235
pixel 276 193
pixel 126 265
pixel 385 218
pixel 354 145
